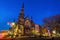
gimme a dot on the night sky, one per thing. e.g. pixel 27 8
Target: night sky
pixel 38 9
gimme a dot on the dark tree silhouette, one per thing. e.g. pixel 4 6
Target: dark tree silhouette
pixel 52 21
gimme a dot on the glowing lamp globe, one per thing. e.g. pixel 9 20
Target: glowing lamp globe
pixel 13 24
pixel 54 32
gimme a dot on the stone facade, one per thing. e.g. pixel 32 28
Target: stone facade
pixel 25 24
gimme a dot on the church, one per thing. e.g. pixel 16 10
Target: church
pixel 25 26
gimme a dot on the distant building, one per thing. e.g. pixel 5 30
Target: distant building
pixel 37 27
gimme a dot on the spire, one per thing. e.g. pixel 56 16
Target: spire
pixel 21 15
pixel 22 11
pixel 23 5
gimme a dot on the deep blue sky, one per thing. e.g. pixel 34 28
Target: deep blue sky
pixel 38 9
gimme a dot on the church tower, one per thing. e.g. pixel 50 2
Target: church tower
pixel 24 24
pixel 21 15
pixel 21 20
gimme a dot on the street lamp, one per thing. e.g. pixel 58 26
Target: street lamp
pixel 54 32
pixel 12 23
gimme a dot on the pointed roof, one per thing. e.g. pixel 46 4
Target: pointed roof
pixel 21 15
pixel 23 5
pixel 27 18
pixel 22 9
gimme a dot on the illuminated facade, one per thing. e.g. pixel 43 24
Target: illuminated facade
pixel 44 31
pixel 24 24
pixel 37 28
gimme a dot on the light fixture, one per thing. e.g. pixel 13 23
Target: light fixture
pixel 54 31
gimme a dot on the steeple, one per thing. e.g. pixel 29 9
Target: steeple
pixel 21 15
pixel 22 11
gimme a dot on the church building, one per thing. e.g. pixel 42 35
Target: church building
pixel 25 24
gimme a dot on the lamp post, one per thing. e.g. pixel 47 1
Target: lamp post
pixel 54 33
